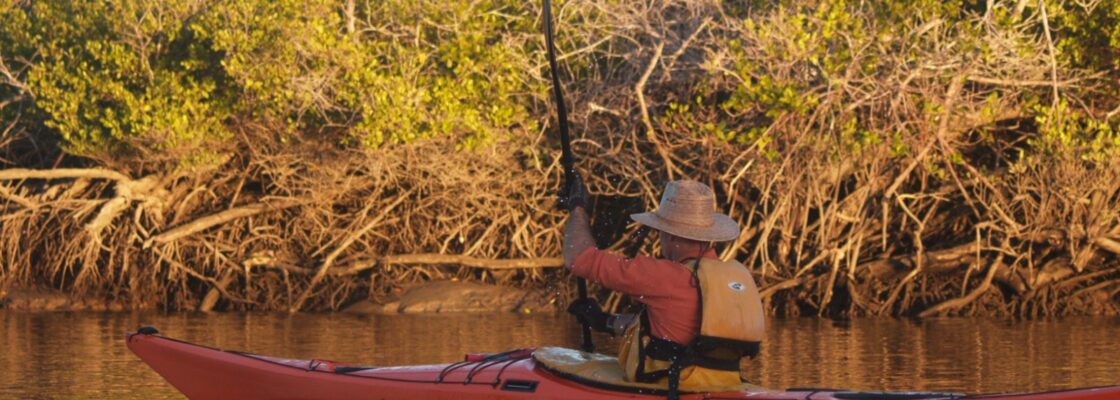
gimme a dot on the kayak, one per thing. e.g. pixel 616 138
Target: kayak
pixel 201 372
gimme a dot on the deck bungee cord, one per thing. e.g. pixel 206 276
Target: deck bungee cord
pixel 479 363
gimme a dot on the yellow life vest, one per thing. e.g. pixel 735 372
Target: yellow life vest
pixel 730 305
pixel 732 326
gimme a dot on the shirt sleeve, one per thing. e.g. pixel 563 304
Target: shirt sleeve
pixel 640 276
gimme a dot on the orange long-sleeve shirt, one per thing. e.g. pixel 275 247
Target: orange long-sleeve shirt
pixel 666 288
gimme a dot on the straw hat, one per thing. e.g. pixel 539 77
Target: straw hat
pixel 688 210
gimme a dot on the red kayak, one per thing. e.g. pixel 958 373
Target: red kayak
pixel 202 372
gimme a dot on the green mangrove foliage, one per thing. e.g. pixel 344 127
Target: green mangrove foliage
pixel 884 157
pixel 174 79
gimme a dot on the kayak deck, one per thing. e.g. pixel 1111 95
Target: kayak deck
pixel 201 372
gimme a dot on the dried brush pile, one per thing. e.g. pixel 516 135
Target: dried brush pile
pixel 298 229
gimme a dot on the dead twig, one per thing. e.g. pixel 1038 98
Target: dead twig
pixel 964 301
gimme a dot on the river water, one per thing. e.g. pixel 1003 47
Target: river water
pixel 82 355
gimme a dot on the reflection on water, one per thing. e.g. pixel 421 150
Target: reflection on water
pixel 81 355
pixel 965 355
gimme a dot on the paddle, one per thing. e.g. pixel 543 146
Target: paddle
pixel 567 161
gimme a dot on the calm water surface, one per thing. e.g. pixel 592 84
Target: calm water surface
pixel 82 355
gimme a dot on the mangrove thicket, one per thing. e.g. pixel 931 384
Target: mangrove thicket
pixel 920 158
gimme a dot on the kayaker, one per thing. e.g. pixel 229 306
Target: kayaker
pixel 671 341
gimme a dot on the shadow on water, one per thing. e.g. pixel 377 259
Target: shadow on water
pixel 81 355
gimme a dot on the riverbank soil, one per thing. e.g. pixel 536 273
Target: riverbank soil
pixel 19 299
pixel 450 296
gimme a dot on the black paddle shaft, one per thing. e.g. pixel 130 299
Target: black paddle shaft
pixel 567 160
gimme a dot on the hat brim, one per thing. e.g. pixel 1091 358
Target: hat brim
pixel 723 229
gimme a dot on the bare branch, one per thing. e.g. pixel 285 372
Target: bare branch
pixel 329 262
pixel 213 220
pixel 964 301
pixel 61 173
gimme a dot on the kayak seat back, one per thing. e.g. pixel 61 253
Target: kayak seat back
pixel 604 372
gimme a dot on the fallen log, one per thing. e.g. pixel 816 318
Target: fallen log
pixel 212 220
pixel 418 259
pixel 934 261
pixel 62 173
pixel 455 259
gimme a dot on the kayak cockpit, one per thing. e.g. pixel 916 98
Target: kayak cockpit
pixel 604 372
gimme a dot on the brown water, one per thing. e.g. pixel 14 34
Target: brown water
pixel 82 355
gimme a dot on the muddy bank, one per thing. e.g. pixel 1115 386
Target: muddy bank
pixel 53 300
pixel 434 297
pixel 451 296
